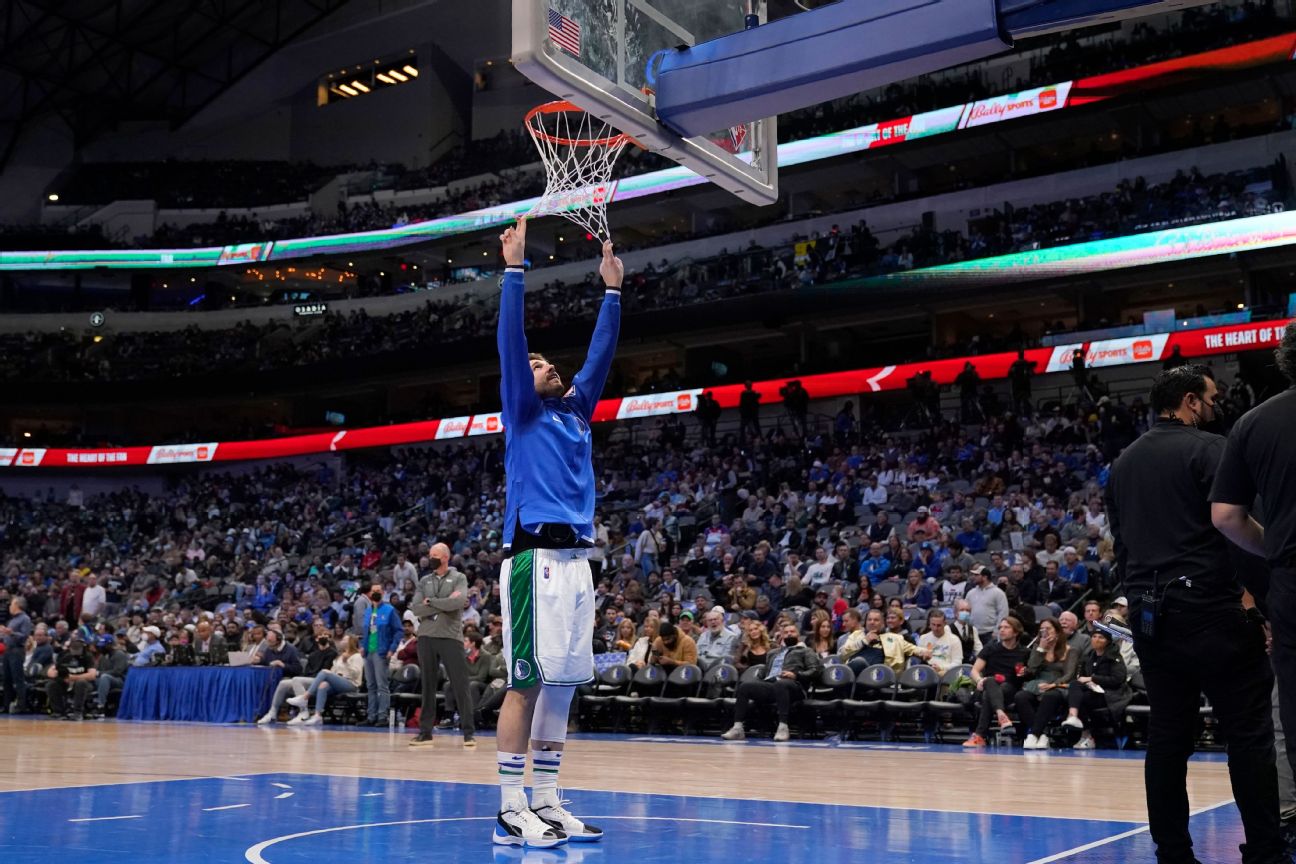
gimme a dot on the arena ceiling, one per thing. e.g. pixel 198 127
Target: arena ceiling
pixel 95 63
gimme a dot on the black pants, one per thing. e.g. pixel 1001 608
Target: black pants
pixel 782 692
pixel 1222 655
pixel 15 683
pixel 432 653
pixel 58 695
pixel 1282 620
pixel 475 690
pixel 1036 710
pixel 994 696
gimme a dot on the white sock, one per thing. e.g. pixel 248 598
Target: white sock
pixel 544 777
pixel 512 773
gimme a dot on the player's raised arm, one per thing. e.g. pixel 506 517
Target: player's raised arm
pixel 587 386
pixel 517 384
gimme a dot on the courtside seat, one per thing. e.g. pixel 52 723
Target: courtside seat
pixel 648 681
pixel 717 687
pixel 824 700
pixel 612 682
pixel 872 688
pixel 915 687
pixel 682 683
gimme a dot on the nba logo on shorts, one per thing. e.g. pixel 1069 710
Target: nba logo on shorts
pixel 521 669
pixel 546 573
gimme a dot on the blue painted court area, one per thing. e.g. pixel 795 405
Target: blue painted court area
pixel 296 818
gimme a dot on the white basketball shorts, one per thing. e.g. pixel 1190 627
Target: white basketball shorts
pixel 547 597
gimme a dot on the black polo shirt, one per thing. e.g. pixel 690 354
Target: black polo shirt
pixel 1260 460
pixel 1158 503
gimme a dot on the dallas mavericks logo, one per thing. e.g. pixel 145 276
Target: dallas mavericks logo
pixel 546 573
pixel 521 669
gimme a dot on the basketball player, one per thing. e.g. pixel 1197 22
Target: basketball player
pixel 546 589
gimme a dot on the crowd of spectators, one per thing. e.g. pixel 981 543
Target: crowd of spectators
pixel 821 528
pixel 801 262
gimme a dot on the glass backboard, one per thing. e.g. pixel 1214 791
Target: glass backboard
pixel 600 55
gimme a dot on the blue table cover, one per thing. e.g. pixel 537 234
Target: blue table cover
pixel 212 694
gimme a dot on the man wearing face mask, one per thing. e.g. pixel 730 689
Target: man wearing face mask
pixel 439 603
pixel 785 670
pixel 962 627
pixel 1190 630
pixel 382 633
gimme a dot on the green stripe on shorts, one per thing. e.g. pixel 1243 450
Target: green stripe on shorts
pixel 522 620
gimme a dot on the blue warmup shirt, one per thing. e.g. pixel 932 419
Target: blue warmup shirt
pixel 548 460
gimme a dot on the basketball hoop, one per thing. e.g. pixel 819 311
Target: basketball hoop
pixel 579 152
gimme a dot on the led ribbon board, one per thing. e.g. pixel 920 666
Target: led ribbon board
pixel 998 109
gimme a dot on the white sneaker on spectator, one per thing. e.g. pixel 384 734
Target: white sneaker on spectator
pixel 1031 742
pixel 1086 742
pixel 314 720
pixel 1073 722
pixel 1043 743
pixel 735 733
pixel 299 701
pixel 267 719
pixel 782 733
pixel 302 717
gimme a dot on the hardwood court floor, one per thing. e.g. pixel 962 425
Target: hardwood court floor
pixel 1098 785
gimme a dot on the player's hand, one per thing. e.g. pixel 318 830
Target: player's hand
pixel 611 268
pixel 513 243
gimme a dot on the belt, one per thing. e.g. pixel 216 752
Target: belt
pixel 576 554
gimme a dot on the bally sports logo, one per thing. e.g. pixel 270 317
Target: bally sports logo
pixel 176 454
pixel 1015 105
pixel 453 427
pixel 486 424
pixel 1143 351
pixel 656 404
pixel 13 457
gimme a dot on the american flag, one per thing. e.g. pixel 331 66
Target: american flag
pixel 565 32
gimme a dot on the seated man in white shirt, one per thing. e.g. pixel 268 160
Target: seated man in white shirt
pixel 946 648
pixel 716 644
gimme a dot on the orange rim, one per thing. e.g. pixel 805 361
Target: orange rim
pixel 562 107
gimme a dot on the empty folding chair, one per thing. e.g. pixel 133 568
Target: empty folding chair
pixel 683 682
pixel 914 688
pixel 612 682
pixel 824 701
pixel 648 681
pixel 873 687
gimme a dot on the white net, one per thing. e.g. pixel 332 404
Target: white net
pixel 579 152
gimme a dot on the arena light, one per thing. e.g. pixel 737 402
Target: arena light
pixel 385 78
pixel 410 70
pixel 347 89
pixel 53 196
pixel 397 75
pixel 361 86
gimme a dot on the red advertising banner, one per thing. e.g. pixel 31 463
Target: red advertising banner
pixel 1102 353
pixel 1099 88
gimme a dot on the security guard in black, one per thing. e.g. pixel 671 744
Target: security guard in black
pixel 1190 631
